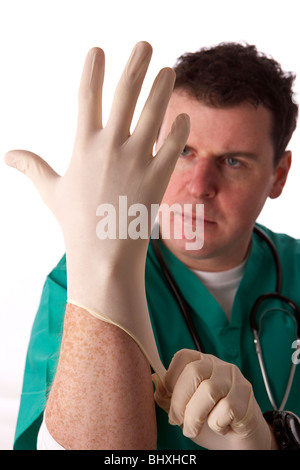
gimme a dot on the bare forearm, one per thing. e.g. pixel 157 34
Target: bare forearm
pixel 102 396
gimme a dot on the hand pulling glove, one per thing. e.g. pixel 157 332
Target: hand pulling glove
pixel 106 276
pixel 212 402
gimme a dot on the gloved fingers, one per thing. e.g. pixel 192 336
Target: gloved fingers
pixel 149 123
pixel 215 407
pixel 240 422
pixel 168 154
pixel 179 361
pixel 35 168
pixel 228 414
pixel 221 417
pixel 127 92
pixel 207 395
pixel 185 404
pixel 90 93
pixel 235 409
pixel 241 399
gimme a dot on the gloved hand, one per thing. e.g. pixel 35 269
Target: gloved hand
pixel 106 276
pixel 212 402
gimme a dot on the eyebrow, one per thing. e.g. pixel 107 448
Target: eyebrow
pixel 234 153
pixel 241 153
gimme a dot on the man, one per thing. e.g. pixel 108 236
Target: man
pixel 241 118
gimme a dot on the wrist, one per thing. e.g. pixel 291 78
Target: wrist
pixel 98 284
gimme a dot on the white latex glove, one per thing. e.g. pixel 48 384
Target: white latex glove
pixel 212 402
pixel 106 277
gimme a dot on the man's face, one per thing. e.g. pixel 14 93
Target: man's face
pixel 227 165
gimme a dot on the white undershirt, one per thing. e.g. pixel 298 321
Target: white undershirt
pixel 223 285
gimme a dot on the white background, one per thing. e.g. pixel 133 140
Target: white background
pixel 42 49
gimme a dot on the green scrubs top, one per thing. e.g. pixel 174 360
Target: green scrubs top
pixel 231 341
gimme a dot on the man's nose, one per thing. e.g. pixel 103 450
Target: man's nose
pixel 203 180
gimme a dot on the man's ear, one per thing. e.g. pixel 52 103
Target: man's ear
pixel 281 173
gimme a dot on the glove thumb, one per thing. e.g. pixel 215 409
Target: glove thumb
pixel 161 395
pixel 35 168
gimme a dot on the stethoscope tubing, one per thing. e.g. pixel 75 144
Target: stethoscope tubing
pixel 262 298
pixel 265 376
pixel 184 308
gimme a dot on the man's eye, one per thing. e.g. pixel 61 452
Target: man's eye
pixel 185 152
pixel 233 162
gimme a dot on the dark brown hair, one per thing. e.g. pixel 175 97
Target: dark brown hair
pixel 231 73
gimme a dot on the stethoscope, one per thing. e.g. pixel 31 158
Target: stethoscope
pixel 185 310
